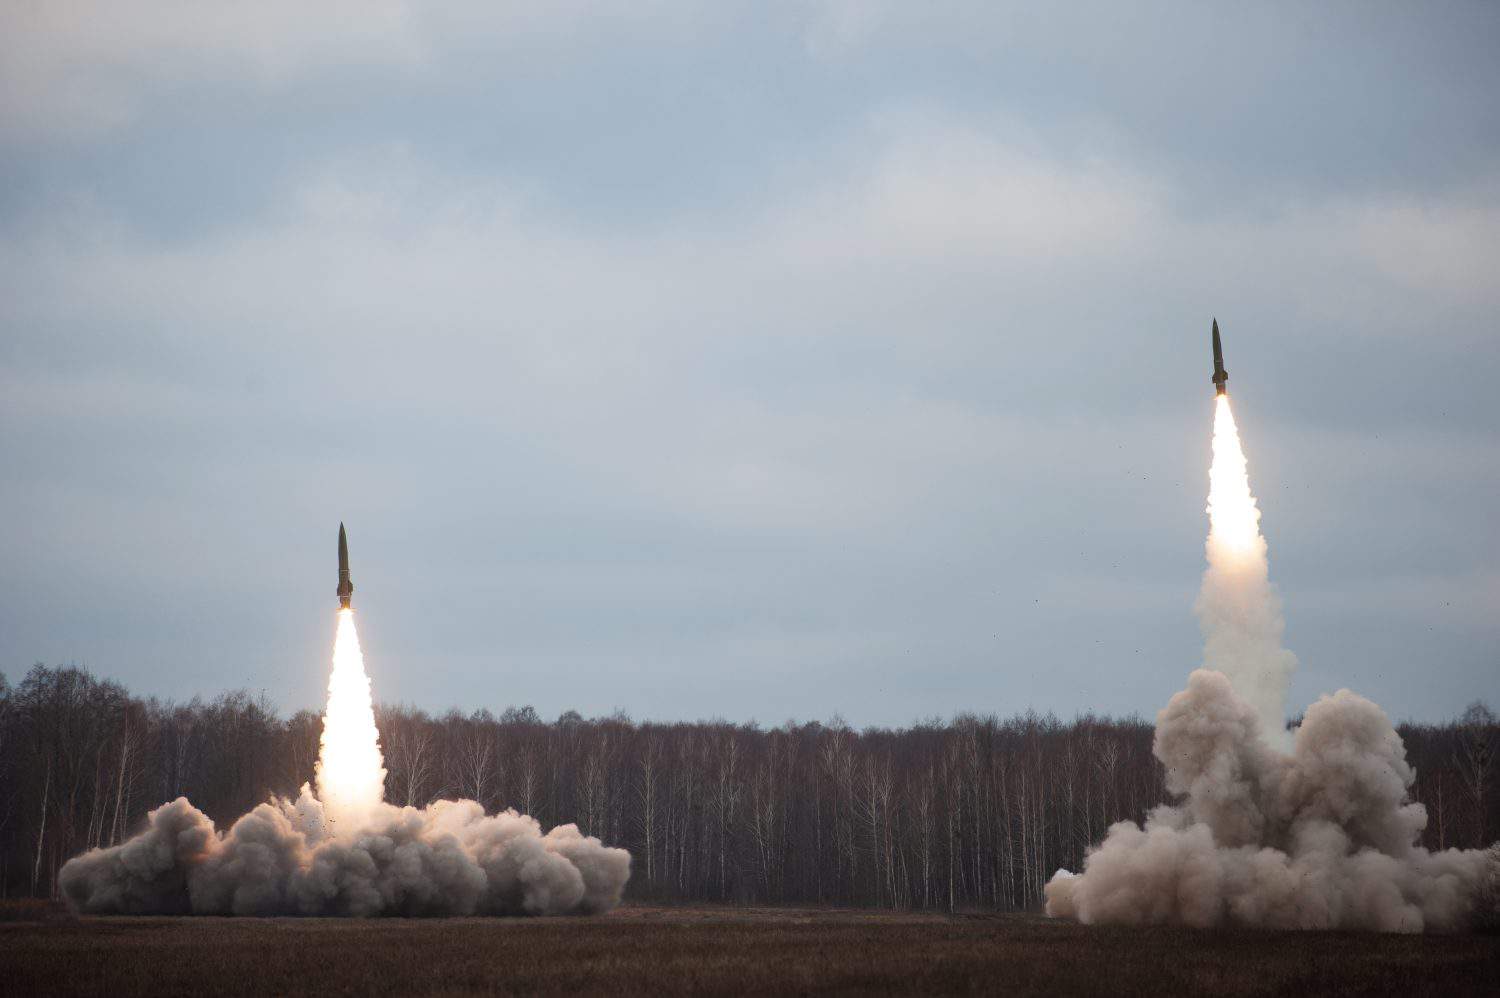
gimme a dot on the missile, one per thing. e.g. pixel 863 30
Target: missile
pixel 346 588
pixel 1220 375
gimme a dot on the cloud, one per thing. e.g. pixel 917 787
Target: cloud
pixel 83 72
pixel 586 289
pixel 80 70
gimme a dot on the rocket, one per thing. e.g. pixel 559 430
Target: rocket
pixel 346 588
pixel 1219 378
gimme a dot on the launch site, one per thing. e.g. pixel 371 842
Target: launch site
pixel 832 497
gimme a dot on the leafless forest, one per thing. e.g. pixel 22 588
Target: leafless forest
pixel 975 812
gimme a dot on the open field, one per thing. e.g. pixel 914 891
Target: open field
pixel 642 949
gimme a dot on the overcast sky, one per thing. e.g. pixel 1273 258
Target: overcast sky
pixel 761 361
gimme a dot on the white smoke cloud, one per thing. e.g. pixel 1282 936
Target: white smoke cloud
pixel 449 858
pixel 1321 838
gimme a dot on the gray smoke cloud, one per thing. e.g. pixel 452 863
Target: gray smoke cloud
pixel 1322 837
pixel 449 858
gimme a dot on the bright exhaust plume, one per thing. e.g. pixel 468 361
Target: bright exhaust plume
pixel 350 774
pixel 1239 612
pixel 1234 520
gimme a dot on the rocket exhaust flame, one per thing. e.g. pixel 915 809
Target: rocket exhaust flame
pixel 1238 610
pixel 350 773
pixel 343 850
pixel 1234 520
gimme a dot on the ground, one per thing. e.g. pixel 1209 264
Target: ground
pixel 663 950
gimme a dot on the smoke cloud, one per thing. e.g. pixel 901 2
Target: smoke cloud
pixel 343 851
pixel 1320 838
pixel 449 858
pixel 1312 831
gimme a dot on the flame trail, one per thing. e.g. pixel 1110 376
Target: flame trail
pixel 350 772
pixel 1239 612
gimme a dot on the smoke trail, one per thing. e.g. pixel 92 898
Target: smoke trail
pixel 343 851
pixel 1322 837
pixel 1239 612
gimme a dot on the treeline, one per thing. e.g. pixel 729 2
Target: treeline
pixel 976 812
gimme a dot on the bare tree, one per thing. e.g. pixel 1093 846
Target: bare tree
pixel 1476 763
pixel 726 795
pixel 476 756
pixel 409 758
pixel 647 796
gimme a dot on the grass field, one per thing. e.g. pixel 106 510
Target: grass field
pixel 652 950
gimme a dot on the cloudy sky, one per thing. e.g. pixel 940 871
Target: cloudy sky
pixel 760 361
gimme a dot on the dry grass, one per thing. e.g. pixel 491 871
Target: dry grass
pixel 648 950
pixel 32 910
